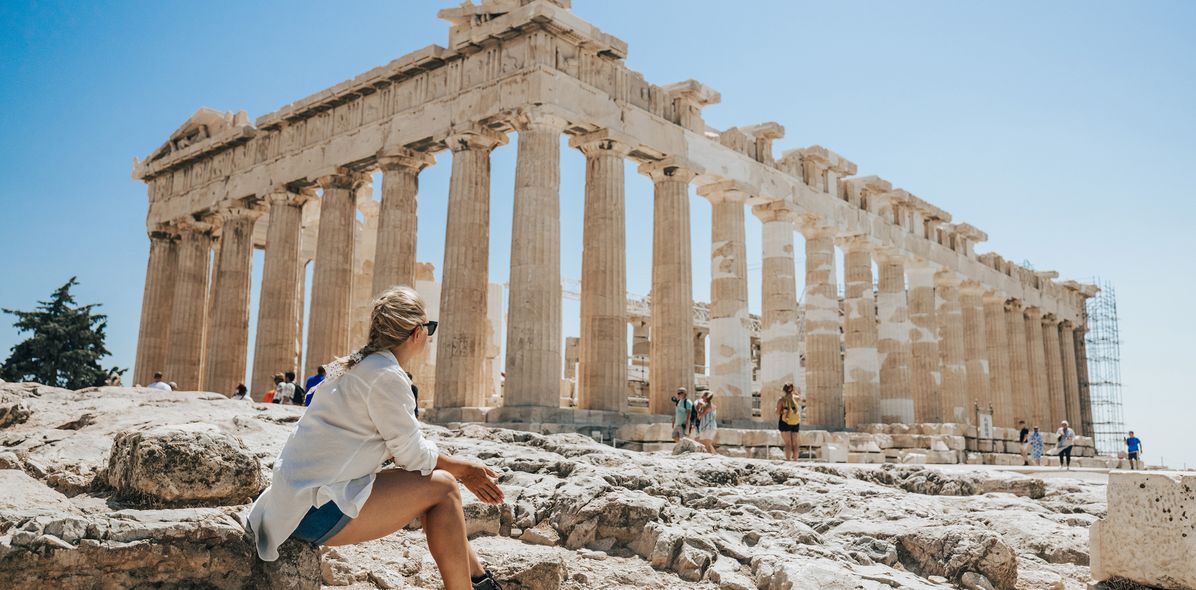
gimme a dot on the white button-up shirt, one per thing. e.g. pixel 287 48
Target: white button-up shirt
pixel 358 421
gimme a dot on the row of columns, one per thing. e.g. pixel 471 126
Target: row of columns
pixel 925 346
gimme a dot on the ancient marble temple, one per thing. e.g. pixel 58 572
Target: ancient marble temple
pixel 917 327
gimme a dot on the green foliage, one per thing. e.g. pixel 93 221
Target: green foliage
pixel 65 346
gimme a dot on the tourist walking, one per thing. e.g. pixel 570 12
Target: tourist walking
pixel 1035 447
pixel 283 391
pixel 1133 447
pixel 241 393
pixel 327 487
pixel 789 420
pixel 1023 441
pixel 707 421
pixel 682 408
pixel 298 394
pixel 1067 438
pixel 159 383
pixel 316 379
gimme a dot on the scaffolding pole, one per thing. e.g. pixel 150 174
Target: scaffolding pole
pixel 1102 342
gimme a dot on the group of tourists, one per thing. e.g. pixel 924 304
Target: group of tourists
pixel 699 420
pixel 1033 446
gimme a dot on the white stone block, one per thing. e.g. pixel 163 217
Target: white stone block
pixel 834 453
pixel 1149 533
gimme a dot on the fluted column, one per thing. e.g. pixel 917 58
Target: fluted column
pixel 1022 393
pixel 1039 377
pixel 823 338
pixel 1054 365
pixel 332 277
pixel 953 395
pixel 184 362
pixel 228 326
pixel 278 342
pixel 975 347
pixel 895 331
pixel 671 362
pixel 925 364
pixel 602 368
pixel 730 327
pixel 365 246
pixel 1082 372
pixel 999 372
pixel 861 364
pixel 533 363
pixel 394 258
pixel 461 343
pixel 153 338
pixel 779 342
pixel 1071 382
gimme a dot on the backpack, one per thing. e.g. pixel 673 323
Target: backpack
pixel 297 397
pixel 790 413
pixel 693 415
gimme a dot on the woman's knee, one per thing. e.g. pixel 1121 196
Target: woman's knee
pixel 446 484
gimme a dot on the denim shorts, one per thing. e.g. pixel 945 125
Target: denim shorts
pixel 321 524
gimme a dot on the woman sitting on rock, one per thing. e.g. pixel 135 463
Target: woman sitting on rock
pixel 328 486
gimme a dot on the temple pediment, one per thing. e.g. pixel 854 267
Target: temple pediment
pixel 203 125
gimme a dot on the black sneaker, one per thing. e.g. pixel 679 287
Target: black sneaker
pixel 485 581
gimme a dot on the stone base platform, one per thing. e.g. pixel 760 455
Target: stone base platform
pixel 1148 535
pixel 920 444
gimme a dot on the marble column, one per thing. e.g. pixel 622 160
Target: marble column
pixel 365 246
pixel 1039 377
pixel 700 336
pixel 278 341
pixel 671 362
pixel 975 347
pixel 602 368
pixel 925 364
pixel 188 311
pixel 1022 393
pixel 893 344
pixel 1071 382
pixel 153 338
pixel 999 372
pixel 1054 365
pixel 228 326
pixel 861 363
pixel 534 314
pixel 953 395
pixel 332 276
pixel 1082 373
pixel 394 257
pixel 779 343
pixel 823 338
pixel 730 325
pixel 461 341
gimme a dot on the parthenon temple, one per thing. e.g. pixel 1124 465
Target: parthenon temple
pixel 917 328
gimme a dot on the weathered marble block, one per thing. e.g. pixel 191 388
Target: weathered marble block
pixel 1149 533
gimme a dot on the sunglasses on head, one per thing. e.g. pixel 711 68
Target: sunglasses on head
pixel 430 326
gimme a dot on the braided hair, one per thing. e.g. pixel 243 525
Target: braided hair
pixel 396 314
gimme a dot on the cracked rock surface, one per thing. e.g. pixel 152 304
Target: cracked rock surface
pixel 578 514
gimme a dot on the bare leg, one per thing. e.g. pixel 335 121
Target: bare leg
pixel 709 444
pixel 398 498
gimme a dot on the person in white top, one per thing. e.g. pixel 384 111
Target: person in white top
pixel 328 487
pixel 283 391
pixel 158 383
pixel 1067 438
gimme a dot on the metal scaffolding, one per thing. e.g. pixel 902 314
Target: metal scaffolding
pixel 1103 345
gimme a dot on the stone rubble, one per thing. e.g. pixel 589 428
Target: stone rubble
pixel 578 514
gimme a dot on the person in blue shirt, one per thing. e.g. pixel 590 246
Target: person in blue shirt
pixel 1133 447
pixel 314 380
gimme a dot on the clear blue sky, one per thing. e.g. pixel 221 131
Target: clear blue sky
pixel 1065 130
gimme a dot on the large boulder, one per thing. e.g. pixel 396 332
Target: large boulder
pixel 953 550
pixel 13 410
pixel 1148 536
pixel 188 465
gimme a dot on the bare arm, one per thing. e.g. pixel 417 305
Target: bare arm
pixel 476 477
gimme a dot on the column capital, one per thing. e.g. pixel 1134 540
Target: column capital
pixel 1014 305
pixel 1067 325
pixel 192 227
pixel 812 226
pixel 993 296
pixel 281 195
pixel 604 141
pixel 671 168
pixel 855 243
pixel 540 118
pixel 475 139
pixel 775 211
pixel 163 231
pixel 240 211
pixel 972 287
pixel 404 159
pixel 727 191
pixel 1033 312
pixel 343 179
pixel 1049 319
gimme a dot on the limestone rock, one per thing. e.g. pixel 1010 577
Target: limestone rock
pixel 13 411
pixel 688 445
pixel 954 550
pixel 183 465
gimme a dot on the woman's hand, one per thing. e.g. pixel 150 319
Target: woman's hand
pixel 480 480
pixel 477 478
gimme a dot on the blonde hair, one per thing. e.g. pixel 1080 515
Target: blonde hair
pixel 396 314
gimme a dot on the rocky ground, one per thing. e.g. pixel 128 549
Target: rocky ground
pixel 124 488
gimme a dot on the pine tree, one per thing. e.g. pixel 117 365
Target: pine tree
pixel 66 344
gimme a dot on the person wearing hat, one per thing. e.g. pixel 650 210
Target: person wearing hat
pixel 681 413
